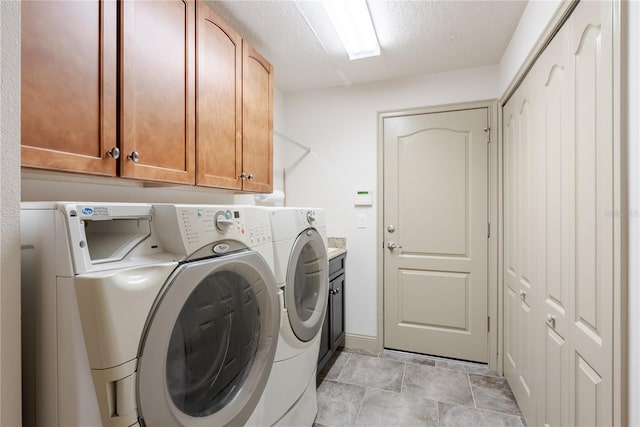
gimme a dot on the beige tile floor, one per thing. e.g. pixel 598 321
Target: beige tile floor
pixel 403 389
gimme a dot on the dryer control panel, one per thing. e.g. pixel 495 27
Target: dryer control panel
pixel 187 228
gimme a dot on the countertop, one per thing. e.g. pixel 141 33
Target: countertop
pixel 335 252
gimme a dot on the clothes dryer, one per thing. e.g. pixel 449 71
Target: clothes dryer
pixel 146 315
pixel 301 271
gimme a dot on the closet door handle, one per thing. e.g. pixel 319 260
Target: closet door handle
pixel 523 295
pixel 551 321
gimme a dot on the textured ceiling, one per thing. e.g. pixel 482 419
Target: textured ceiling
pixel 416 37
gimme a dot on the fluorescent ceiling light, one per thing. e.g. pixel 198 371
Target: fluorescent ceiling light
pixel 352 22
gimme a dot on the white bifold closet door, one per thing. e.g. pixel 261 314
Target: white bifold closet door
pixel 559 190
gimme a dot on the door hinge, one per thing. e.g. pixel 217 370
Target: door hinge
pixel 488 324
pixel 488 230
pixel 488 132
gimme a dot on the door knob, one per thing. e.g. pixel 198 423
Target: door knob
pixel 391 228
pixel 392 245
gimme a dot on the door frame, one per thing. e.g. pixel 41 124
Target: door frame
pixel 494 241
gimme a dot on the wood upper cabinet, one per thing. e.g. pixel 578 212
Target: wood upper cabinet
pixel 195 101
pixel 157 109
pixel 69 85
pixel 219 102
pixel 257 121
pixel 234 109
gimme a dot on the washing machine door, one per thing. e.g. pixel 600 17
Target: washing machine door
pixel 307 288
pixel 209 343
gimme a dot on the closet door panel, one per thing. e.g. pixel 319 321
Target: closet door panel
pixel 592 334
pixel 511 298
pixel 557 228
pixel 555 390
pixel 521 283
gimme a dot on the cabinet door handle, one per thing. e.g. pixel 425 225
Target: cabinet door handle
pixel 114 153
pixel 242 176
pixel 134 157
pixel 250 177
pixel 523 295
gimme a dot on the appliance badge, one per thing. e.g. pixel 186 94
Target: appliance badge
pixel 221 248
pixel 87 211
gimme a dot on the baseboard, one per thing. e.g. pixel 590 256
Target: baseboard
pixel 362 342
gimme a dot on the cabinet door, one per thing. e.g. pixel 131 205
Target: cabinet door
pixel 219 102
pixel 158 90
pixel 325 340
pixel 337 312
pixel 257 121
pixel 69 85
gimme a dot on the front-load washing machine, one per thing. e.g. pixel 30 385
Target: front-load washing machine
pixel 301 271
pixel 136 314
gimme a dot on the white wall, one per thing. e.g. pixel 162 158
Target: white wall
pixel 535 19
pixel 341 127
pixel 10 373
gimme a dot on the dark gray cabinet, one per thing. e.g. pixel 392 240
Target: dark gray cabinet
pixel 333 328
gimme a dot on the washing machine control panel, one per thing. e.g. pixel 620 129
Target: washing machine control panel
pixel 200 225
pixel 306 218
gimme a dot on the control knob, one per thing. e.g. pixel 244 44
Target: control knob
pixel 311 217
pixel 223 224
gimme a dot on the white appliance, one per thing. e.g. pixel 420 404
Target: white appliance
pixel 301 271
pixel 146 315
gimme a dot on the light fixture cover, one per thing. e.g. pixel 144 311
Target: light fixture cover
pixel 352 22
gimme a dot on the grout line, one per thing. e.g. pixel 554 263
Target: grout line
pixel 364 396
pixel 345 364
pixel 483 410
pixel 472 395
pixel 404 368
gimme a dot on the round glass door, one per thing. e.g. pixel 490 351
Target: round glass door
pixel 210 343
pixel 205 367
pixel 307 286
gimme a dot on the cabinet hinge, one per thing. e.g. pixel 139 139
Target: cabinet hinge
pixel 488 324
pixel 488 230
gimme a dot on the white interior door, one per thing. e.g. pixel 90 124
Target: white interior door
pixel 436 229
